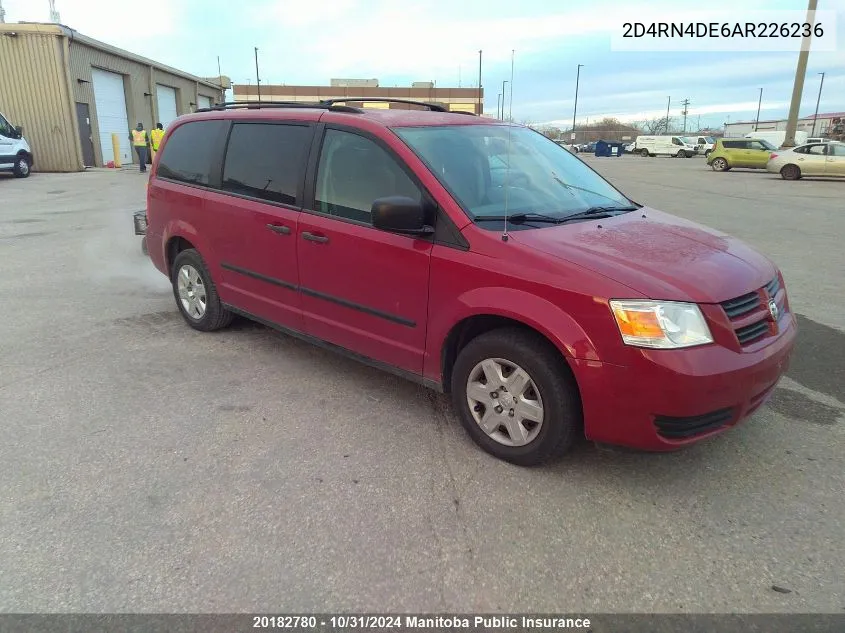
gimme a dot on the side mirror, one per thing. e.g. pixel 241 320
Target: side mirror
pixel 19 130
pixel 399 214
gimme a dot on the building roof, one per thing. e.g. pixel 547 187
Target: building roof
pixel 75 36
pixel 827 115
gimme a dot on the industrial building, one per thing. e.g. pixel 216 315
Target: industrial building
pixel 825 125
pixel 453 99
pixel 70 93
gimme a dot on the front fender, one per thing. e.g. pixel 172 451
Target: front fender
pixel 534 311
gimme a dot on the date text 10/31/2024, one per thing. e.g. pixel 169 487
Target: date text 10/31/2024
pixel 417 622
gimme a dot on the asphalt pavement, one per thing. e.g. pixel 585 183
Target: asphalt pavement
pixel 147 467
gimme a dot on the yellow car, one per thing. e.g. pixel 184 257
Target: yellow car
pixel 750 153
pixel 812 159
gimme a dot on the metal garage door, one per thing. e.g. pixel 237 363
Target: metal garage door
pixel 203 102
pixel 166 104
pixel 110 101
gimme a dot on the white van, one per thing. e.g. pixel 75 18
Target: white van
pixel 15 154
pixel 777 137
pixel 705 144
pixel 664 146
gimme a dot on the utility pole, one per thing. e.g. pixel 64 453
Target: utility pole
pixel 2 13
pixel 800 71
pixel 685 103
pixel 759 103
pixel 498 99
pixel 257 78
pixel 480 104
pixel 220 80
pixel 54 15
pixel 575 107
pixel 504 92
pixel 816 115
pixel 668 103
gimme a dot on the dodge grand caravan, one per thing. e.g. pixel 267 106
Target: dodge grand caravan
pixel 476 257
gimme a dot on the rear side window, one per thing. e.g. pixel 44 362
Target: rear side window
pixel 734 144
pixel 837 150
pixel 266 160
pixel 189 152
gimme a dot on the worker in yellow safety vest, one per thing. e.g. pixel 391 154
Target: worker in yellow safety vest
pixel 155 138
pixel 140 139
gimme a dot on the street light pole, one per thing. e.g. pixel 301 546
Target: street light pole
pixel 257 78
pixel 816 115
pixel 498 100
pixel 504 92
pixel 759 103
pixel 575 107
pixel 480 102
pixel 800 71
pixel 668 103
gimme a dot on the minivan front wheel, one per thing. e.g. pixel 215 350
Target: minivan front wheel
pixel 196 295
pixel 644 153
pixel 516 397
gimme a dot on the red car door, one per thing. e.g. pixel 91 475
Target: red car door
pixel 255 216
pixel 362 288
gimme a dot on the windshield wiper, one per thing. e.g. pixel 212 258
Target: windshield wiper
pixel 598 212
pixel 576 187
pixel 518 218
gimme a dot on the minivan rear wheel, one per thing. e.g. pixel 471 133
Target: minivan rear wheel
pixel 195 293
pixel 516 397
pixel 790 172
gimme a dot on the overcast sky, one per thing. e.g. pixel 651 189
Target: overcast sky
pixel 400 41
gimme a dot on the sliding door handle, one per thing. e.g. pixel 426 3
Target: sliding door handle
pixel 313 237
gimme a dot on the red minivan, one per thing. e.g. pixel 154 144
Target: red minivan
pixel 476 257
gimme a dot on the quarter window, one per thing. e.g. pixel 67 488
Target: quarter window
pixel 189 152
pixel 266 161
pixel 354 172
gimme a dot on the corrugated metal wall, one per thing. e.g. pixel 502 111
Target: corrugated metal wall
pixel 34 94
pixel 139 84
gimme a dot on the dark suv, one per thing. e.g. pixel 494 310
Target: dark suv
pixel 476 257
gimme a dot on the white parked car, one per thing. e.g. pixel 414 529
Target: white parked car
pixel 813 159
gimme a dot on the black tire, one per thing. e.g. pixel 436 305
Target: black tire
pixel 215 316
pixel 563 419
pixel 707 153
pixel 644 153
pixel 790 172
pixel 688 154
pixel 720 164
pixel 144 249
pixel 21 169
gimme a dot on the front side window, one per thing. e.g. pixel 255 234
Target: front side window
pixel 266 161
pixel 188 153
pixel 354 172
pixel 6 129
pixel 761 145
pixel 491 169
pixel 676 141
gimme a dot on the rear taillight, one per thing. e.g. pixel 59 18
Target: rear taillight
pixel 772 156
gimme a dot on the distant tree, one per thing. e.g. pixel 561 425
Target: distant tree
pixel 659 125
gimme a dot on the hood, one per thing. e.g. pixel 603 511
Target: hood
pixel 659 255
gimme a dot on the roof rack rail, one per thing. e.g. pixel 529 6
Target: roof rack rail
pixel 434 107
pixel 257 105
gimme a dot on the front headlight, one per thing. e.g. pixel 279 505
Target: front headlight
pixel 660 324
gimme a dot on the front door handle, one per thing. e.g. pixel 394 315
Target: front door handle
pixel 311 237
pixel 278 228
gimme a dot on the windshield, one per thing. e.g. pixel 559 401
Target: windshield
pixel 765 143
pixel 472 161
pixel 710 140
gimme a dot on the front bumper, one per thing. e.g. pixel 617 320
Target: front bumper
pixel 668 399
